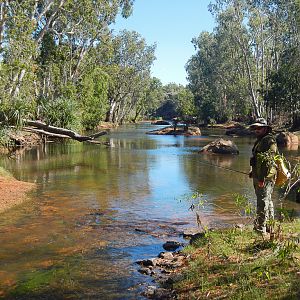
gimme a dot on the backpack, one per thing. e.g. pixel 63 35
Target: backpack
pixel 283 173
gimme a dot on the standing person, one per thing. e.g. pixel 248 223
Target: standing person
pixel 263 171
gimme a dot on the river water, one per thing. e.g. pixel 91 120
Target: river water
pixel 98 209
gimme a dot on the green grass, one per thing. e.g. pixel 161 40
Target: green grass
pixel 239 264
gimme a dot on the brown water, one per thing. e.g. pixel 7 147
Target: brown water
pixel 97 210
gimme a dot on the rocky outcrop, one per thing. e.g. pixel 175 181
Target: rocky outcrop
pixel 287 139
pixel 221 146
pixel 191 131
pixel 161 122
pixel 239 131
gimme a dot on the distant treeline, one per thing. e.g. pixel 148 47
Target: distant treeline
pixel 249 66
pixel 61 63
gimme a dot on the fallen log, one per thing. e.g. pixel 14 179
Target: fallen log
pixel 43 128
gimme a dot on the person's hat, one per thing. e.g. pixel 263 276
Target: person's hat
pixel 259 122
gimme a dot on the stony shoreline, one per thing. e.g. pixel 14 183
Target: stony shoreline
pixel 167 268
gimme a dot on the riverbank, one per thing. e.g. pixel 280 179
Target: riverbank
pixel 235 263
pixel 12 191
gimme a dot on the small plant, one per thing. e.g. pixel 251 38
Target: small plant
pixel 244 205
pixel 287 250
pixel 263 272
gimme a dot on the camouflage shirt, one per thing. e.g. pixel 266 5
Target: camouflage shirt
pixel 262 160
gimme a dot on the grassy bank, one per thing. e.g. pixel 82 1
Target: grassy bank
pixel 240 264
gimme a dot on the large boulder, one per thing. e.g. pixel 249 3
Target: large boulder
pixel 221 146
pixel 287 139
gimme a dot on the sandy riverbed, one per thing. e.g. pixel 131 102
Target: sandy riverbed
pixel 13 192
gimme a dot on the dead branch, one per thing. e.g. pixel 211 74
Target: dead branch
pixel 43 128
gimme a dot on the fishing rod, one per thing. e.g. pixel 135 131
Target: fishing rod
pixel 228 169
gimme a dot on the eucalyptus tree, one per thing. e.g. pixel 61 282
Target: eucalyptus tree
pixel 235 19
pixel 231 68
pixel 202 70
pixel 284 88
pixel 283 92
pixel 127 60
pixel 75 27
pixel 149 99
pixel 185 104
pixel 213 77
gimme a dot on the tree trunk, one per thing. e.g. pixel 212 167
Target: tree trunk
pixel 110 113
pixel 62 131
pixel 2 23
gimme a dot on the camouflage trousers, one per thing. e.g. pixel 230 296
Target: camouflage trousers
pixel 265 206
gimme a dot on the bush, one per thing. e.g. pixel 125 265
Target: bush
pixel 13 113
pixel 61 112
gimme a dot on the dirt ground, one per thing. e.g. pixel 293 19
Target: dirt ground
pixel 13 192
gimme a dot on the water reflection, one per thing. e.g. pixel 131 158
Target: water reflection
pixel 98 209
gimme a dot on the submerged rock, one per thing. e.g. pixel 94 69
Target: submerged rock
pixel 221 146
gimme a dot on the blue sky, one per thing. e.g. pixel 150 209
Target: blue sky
pixel 171 24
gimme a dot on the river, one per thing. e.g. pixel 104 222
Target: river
pixel 98 209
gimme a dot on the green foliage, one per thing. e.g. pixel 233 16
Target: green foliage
pixel 154 96
pixel 16 112
pixel 244 205
pixel 284 86
pixel 127 62
pixel 287 250
pixel 240 69
pixel 48 49
pixel 93 98
pixel 61 112
pixel 218 89
pixel 185 106
pixel 4 138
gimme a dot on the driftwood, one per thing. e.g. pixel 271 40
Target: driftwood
pixel 43 128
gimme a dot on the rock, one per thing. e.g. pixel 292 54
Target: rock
pixel 171 245
pixel 238 129
pixel 153 292
pixel 238 132
pixel 192 130
pixel 146 262
pixel 239 226
pixel 161 122
pixel 191 232
pixel 146 271
pixel 179 131
pixel 166 255
pixel 221 146
pixel 287 139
